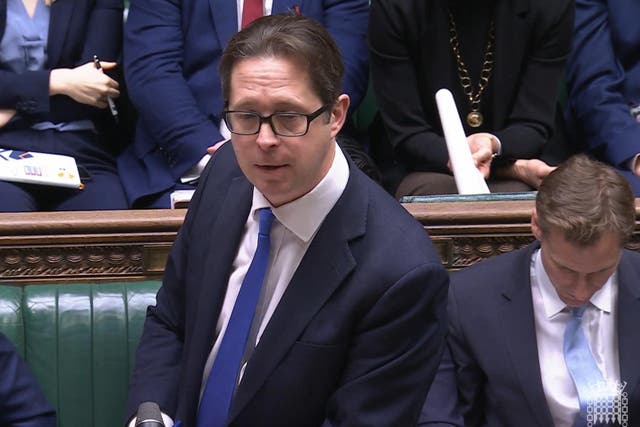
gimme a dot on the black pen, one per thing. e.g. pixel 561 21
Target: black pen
pixel 112 105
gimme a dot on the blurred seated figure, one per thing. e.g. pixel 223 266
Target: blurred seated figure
pixel 22 403
pixel 547 335
pixel 604 84
pixel 503 62
pixel 172 52
pixel 54 99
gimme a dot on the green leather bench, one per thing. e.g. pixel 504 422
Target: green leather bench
pixel 80 342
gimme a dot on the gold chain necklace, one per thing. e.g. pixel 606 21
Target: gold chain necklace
pixel 474 118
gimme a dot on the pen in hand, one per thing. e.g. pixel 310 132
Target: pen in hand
pixel 112 105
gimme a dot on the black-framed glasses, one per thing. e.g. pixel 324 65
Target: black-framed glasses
pixel 282 124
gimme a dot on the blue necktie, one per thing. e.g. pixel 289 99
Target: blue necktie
pixel 581 364
pixel 216 399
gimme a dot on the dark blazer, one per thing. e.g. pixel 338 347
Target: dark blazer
pixel 22 402
pixel 603 78
pixel 411 60
pixel 78 29
pixel 172 52
pixel 493 342
pixel 355 339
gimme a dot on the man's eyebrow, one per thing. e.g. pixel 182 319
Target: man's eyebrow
pixel 284 105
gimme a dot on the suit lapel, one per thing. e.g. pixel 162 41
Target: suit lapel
pixel 324 267
pixel 225 19
pixel 510 19
pixel 628 321
pixel 520 337
pixel 61 11
pixel 219 261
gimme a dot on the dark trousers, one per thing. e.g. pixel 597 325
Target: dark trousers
pixel 431 183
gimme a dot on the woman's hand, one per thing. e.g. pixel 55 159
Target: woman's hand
pixel 530 171
pixel 5 116
pixel 482 149
pixel 85 84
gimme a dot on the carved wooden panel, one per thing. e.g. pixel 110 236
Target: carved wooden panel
pixel 86 246
pixel 78 261
pixel 131 245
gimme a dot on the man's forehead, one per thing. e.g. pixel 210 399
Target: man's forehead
pixel 603 252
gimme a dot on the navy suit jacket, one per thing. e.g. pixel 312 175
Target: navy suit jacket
pixel 22 402
pixel 355 339
pixel 172 52
pixel 603 77
pixel 78 29
pixel 492 339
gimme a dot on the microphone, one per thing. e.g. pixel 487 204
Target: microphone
pixel 149 415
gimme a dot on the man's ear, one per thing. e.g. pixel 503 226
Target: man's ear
pixel 535 225
pixel 339 114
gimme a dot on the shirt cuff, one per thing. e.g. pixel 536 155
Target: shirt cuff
pixel 632 163
pixel 194 173
pixel 495 140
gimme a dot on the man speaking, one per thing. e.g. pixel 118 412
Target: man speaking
pixel 297 293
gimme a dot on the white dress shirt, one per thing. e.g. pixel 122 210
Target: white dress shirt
pixel 551 317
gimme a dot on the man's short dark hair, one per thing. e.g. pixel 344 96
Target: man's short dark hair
pixel 584 198
pixel 294 37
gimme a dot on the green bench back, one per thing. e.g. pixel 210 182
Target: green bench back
pixel 80 342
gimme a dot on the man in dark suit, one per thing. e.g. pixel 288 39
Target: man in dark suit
pixel 172 51
pixel 603 78
pixel 509 330
pixel 22 402
pixel 349 325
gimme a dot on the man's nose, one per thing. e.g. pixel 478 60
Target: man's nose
pixel 582 290
pixel 266 136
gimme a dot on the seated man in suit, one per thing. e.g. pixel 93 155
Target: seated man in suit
pixel 172 51
pixel 548 335
pixel 22 403
pixel 340 317
pixel 603 78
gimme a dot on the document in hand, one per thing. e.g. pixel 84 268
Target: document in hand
pixel 468 178
pixel 39 168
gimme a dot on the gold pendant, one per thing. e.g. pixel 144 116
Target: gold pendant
pixel 475 119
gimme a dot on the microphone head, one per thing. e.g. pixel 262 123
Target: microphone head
pixel 149 415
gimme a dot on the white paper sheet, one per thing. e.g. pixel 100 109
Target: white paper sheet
pixel 468 178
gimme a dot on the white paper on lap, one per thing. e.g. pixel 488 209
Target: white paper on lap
pixel 39 168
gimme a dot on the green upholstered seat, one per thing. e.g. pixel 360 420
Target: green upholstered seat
pixel 80 342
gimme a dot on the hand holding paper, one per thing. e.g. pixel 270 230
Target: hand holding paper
pixel 469 179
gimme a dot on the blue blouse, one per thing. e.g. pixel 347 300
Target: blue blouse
pixel 24 48
pixel 24 44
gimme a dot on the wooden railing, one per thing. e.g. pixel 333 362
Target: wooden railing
pixel 132 245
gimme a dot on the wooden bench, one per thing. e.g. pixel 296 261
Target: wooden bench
pixel 94 246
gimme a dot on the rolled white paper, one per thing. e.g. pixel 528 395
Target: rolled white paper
pixel 468 178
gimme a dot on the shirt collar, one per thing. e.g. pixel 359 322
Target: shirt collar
pixel 304 215
pixel 553 305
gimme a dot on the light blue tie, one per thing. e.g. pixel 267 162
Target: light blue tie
pixel 581 364
pixel 216 399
